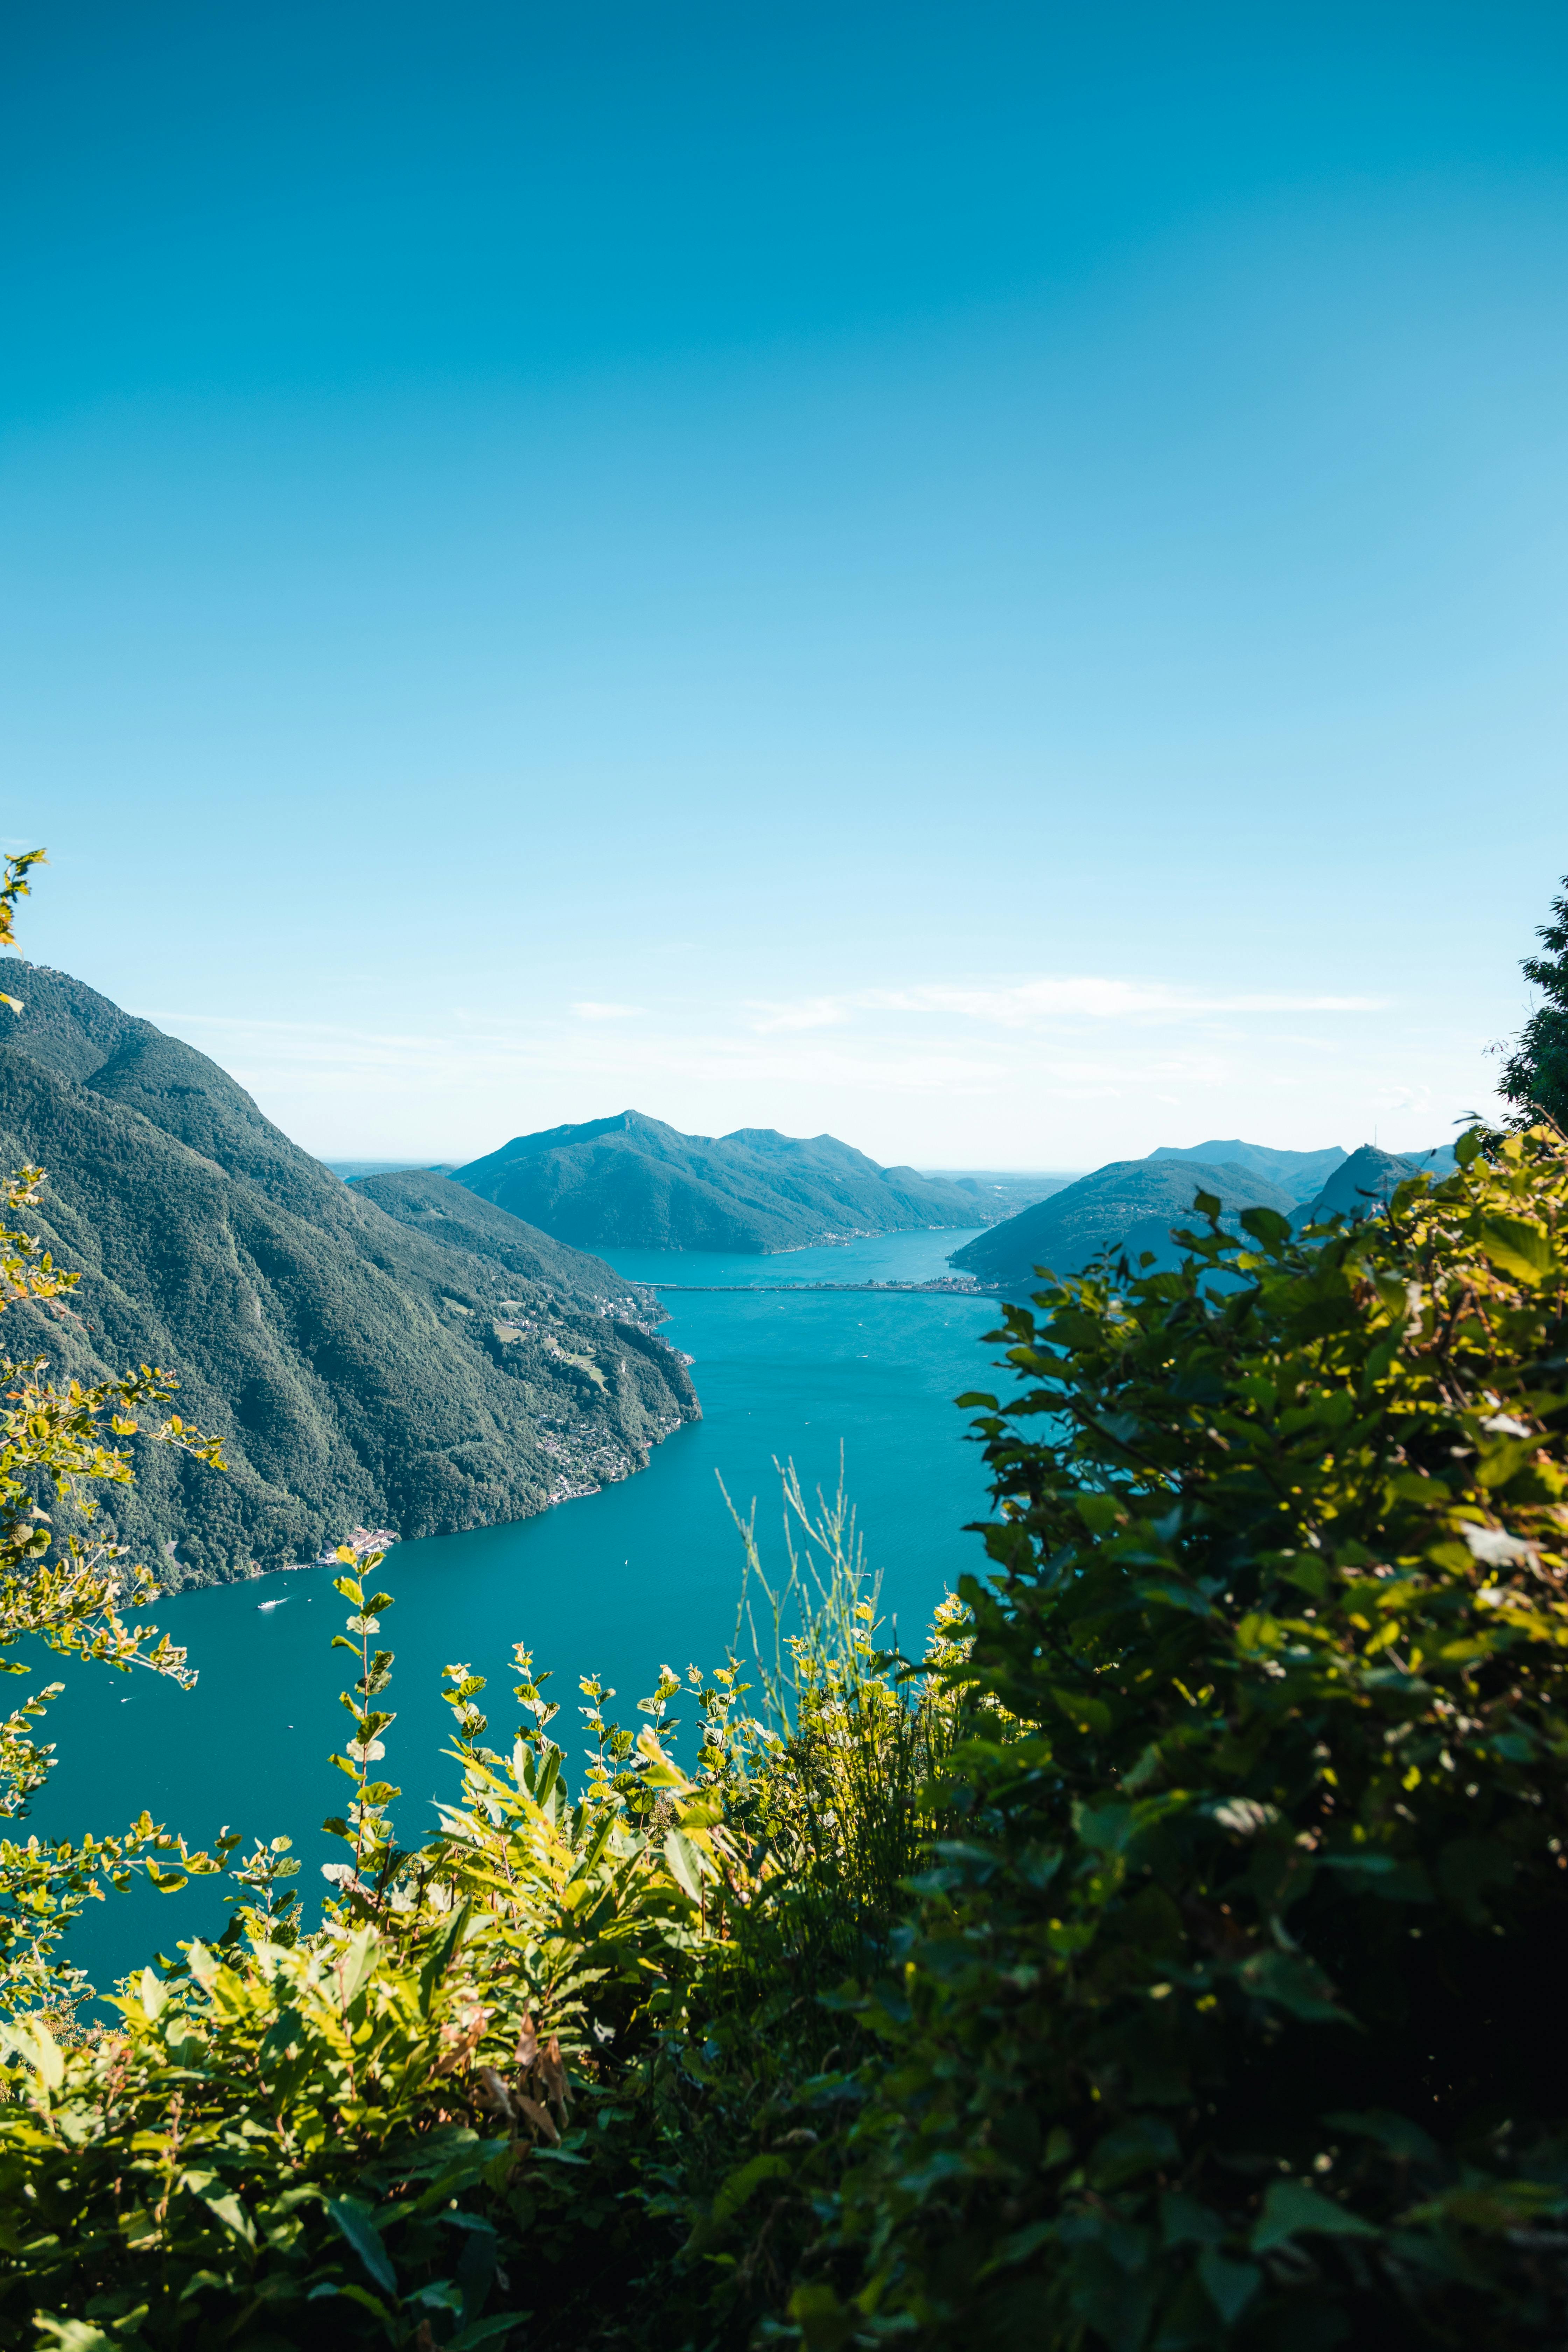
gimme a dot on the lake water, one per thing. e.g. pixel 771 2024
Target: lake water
pixel 617 1583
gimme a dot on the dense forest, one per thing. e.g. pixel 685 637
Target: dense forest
pixel 367 1355
pixel 1138 1205
pixel 1166 1958
pixel 634 1180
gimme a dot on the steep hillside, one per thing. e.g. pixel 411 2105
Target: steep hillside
pixel 1131 1205
pixel 361 1366
pixel 1364 1183
pixel 633 1181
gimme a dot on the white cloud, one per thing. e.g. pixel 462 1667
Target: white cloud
pixel 1033 1072
pixel 1023 1003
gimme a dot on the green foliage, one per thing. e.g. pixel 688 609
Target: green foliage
pixel 16 886
pixel 66 1594
pixel 1535 1075
pixel 841 1772
pixel 567 2060
pixel 1229 2013
pixel 377 2131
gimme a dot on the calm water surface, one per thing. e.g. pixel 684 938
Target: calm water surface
pixel 643 1572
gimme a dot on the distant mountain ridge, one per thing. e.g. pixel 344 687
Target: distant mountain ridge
pixel 632 1181
pixel 1302 1174
pixel 1129 1204
pixel 1134 1205
pixel 361 1364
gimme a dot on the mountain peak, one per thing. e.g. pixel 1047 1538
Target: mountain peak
pixel 635 1182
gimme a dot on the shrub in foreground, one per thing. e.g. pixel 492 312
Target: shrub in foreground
pixel 1232 2015
pixel 401 2127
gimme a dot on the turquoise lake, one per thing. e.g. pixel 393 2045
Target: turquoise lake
pixel 617 1583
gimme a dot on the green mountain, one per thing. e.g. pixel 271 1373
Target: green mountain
pixel 1363 1182
pixel 426 1366
pixel 1302 1174
pixel 1129 1204
pixel 634 1183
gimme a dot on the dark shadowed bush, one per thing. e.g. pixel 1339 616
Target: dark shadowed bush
pixel 1232 2014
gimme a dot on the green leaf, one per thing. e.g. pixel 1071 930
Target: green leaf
pixel 32 2039
pixel 1184 2221
pixel 1132 2148
pixel 233 2216
pixel 205 1966
pixel 1100 1513
pixel 440 2295
pixel 1518 1248
pixel 1105 1827
pixel 436 1967
pixel 1230 2287
pixel 743 2183
pixel 1266 1225
pixel 1085 1715
pixel 684 1862
pixel 1291 2209
pixel 353 2221
pixel 1504 1459
pixel 825 2324
pixel 1394 2132
pixel 358 1963
pixel 73 2336
pixel 286 2031
pixel 488 2331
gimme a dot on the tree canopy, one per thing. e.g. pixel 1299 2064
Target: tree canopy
pixel 1535 1075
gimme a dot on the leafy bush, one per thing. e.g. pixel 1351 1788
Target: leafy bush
pixel 1535 1075
pixel 360 2132
pixel 1230 2012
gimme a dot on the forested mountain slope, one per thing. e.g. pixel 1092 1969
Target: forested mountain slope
pixel 1363 1181
pixel 360 1367
pixel 1132 1204
pixel 1129 1204
pixel 633 1182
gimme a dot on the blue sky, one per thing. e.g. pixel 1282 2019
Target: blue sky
pixel 989 579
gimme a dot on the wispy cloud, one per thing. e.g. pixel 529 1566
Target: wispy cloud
pixel 1026 1004
pixel 1050 1067
pixel 916 1059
